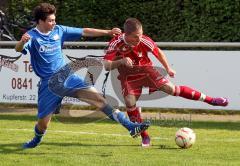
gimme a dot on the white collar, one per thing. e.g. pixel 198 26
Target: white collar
pixel 45 34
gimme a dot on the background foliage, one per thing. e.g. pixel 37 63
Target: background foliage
pixel 163 20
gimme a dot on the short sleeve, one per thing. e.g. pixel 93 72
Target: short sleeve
pixel 151 45
pixel 110 56
pixel 110 52
pixel 71 33
pixel 26 47
pixel 155 51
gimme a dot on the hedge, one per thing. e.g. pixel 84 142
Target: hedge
pixel 163 20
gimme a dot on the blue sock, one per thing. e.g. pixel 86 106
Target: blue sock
pixel 36 139
pixel 118 116
pixel 38 135
pixel 108 110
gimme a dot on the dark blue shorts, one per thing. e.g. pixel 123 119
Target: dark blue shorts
pixel 53 90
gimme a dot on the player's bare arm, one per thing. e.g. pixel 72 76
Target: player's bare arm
pixel 162 58
pixel 110 65
pixel 91 32
pixel 24 39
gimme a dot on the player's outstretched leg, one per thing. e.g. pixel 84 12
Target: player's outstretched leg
pixel 134 115
pixel 36 139
pixel 189 93
pixel 134 129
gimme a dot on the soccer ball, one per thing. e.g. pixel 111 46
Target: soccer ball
pixel 185 137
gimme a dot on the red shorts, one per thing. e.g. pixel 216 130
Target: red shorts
pixel 133 84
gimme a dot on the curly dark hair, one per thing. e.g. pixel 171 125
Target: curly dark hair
pixel 42 11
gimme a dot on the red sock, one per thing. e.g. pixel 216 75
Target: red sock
pixel 191 94
pixel 134 115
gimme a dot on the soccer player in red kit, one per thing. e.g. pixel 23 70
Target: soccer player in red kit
pixel 128 52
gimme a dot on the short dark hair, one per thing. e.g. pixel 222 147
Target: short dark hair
pixel 42 11
pixel 131 25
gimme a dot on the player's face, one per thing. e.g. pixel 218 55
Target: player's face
pixel 49 23
pixel 134 38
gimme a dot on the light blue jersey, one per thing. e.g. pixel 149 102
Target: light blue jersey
pixel 46 49
pixel 57 78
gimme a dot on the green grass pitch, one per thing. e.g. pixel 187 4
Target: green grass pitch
pixel 81 141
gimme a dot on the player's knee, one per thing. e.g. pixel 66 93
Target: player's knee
pixel 169 89
pixel 101 100
pixel 101 104
pixel 128 104
pixel 176 91
pixel 130 101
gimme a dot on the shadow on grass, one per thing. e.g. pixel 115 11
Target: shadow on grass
pixel 162 147
pixel 161 123
pixel 11 148
pixel 16 148
pixel 166 147
pixel 67 144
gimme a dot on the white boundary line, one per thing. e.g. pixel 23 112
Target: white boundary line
pixel 122 135
pixel 84 133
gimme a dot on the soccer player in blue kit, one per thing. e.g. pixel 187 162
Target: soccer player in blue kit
pixel 44 44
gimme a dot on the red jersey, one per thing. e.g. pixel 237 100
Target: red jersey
pixel 118 48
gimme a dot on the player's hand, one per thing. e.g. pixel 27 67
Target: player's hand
pixel 115 31
pixel 127 62
pixel 171 72
pixel 25 38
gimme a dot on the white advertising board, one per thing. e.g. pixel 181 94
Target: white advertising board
pixel 215 73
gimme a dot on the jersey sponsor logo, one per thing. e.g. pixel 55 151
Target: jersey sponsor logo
pixel 48 49
pixel 42 49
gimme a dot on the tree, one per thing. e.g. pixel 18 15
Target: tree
pixel 3 5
